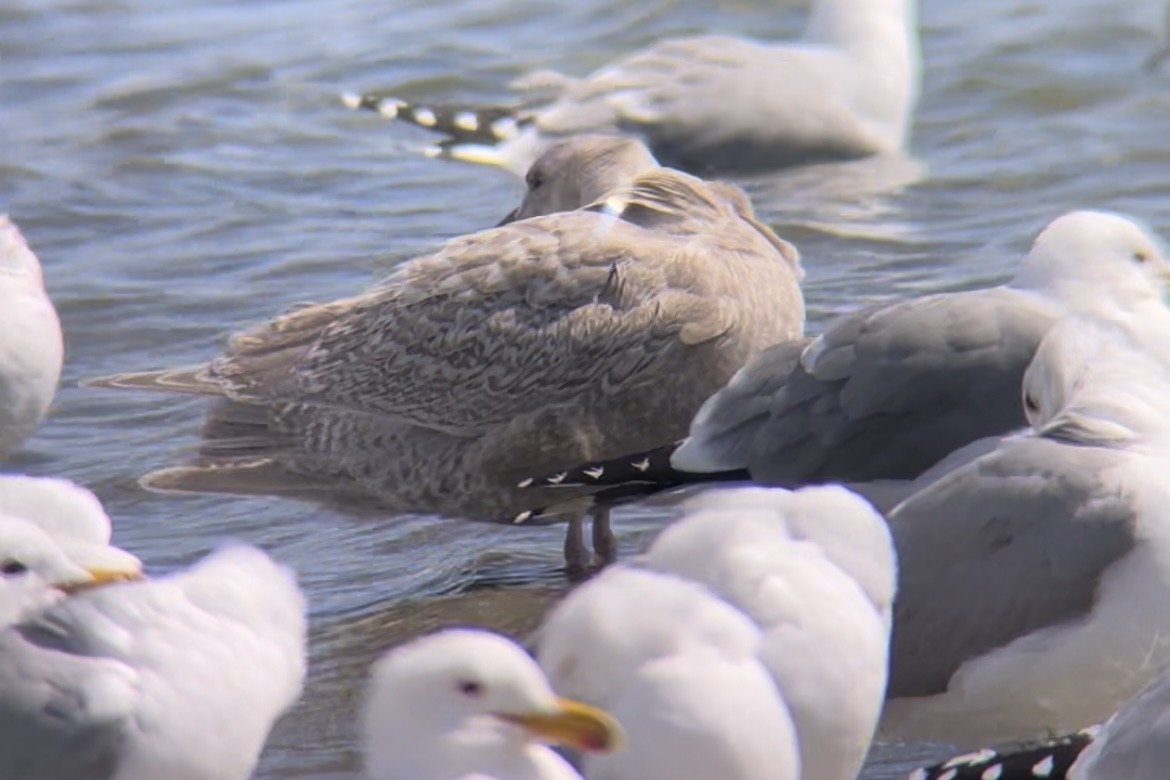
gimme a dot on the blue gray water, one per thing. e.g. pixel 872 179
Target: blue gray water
pixel 184 168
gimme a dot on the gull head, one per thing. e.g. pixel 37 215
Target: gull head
pixel 1097 263
pixel 578 171
pixel 73 516
pixel 35 570
pixel 1090 381
pixel 466 690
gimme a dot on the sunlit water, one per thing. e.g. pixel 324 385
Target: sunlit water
pixel 184 168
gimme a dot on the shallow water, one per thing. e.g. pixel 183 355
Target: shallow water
pixel 184 168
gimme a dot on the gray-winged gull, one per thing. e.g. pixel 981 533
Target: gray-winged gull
pixel 847 88
pixel 464 703
pixel 679 668
pixel 1048 760
pixel 815 570
pixel 889 391
pixel 31 347
pixel 180 677
pixel 536 345
pixel 1134 744
pixel 1034 589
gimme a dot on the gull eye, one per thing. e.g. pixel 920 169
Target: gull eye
pixel 1030 403
pixel 1141 256
pixel 12 568
pixel 470 688
pixel 535 179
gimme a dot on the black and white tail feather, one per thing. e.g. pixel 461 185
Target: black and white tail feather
pixel 622 479
pixel 462 125
pixel 1047 761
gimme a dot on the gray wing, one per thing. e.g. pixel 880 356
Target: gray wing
pixel 889 391
pixel 1012 543
pixel 697 102
pixel 723 433
pixel 1135 743
pixel 62 714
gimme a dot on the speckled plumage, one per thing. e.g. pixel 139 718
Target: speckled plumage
pixel 530 346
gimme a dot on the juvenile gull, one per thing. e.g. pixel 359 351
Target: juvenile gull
pixel 1034 581
pixel 536 345
pixel 180 677
pixel 31 348
pixel 465 703
pixel 889 391
pixel 815 571
pixel 583 170
pixel 679 668
pixel 847 88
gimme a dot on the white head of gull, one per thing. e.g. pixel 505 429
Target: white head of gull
pixel 464 702
pixel 179 677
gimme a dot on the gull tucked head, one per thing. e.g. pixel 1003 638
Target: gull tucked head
pixel 846 529
pixel 623 618
pixel 1095 262
pixel 468 691
pixel 580 170
pixel 1091 381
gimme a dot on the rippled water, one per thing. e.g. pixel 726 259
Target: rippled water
pixel 184 168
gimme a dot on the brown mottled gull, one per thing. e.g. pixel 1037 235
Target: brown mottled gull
pixel 534 345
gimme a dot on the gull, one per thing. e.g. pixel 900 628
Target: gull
pixel 1032 597
pixel 71 514
pixel 31 347
pixel 846 89
pixel 35 572
pixel 464 703
pixel 815 571
pixel 585 169
pixel 179 677
pixel 541 343
pixel 1133 744
pixel 887 392
pixel 679 668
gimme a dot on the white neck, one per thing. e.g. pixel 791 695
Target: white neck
pixel 408 753
pixel 863 23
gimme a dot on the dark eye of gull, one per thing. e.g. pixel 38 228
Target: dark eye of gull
pixel 12 568
pixel 470 688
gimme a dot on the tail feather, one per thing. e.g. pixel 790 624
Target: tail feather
pixel 461 124
pixel 254 477
pixel 1050 760
pixel 622 480
pixel 179 380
